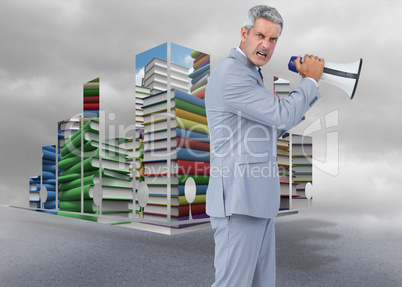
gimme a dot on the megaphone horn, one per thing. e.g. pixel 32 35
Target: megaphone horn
pixel 344 76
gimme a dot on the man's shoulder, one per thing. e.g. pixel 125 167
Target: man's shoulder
pixel 231 64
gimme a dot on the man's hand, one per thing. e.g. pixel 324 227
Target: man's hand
pixel 312 67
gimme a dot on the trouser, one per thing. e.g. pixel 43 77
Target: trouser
pixel 244 251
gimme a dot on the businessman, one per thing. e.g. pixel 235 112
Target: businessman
pixel 245 121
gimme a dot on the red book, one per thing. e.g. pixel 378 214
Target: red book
pixel 91 106
pixel 91 100
pixel 200 95
pixel 190 144
pixel 199 57
pixel 176 211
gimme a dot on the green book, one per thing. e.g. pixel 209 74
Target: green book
pixel 94 179
pixel 109 192
pixel 90 150
pixel 108 206
pixel 66 177
pixel 175 103
pixel 93 163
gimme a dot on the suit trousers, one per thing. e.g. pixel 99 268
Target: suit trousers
pixel 244 251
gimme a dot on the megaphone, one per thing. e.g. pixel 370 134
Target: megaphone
pixel 344 76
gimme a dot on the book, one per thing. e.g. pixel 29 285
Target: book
pixel 175 200
pixel 176 179
pixel 175 210
pixel 199 71
pixel 174 104
pixel 176 142
pixel 155 76
pixel 93 162
pixel 93 179
pixel 92 100
pixel 91 106
pixel 163 218
pixel 201 82
pixel 63 178
pixel 90 207
pixel 177 123
pixel 177 153
pixel 109 192
pixel 158 81
pixel 69 161
pixel 175 189
pixel 177 167
pixel 163 64
pixel 174 94
pixel 175 112
pixel 175 132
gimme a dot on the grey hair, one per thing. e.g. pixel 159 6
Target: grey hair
pixel 265 12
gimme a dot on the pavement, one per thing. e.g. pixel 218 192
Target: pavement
pixel 314 248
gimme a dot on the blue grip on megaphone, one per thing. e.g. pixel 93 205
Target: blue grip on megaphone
pixel 292 65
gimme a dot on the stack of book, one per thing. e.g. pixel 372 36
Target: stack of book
pixel 34 191
pixel 67 128
pixel 137 165
pixel 49 158
pixel 281 90
pixel 281 87
pixel 199 77
pixel 302 147
pixel 140 93
pixel 91 99
pixel 156 76
pixel 284 163
pixel 181 134
pixel 104 163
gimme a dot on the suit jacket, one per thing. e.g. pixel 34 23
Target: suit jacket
pixel 244 123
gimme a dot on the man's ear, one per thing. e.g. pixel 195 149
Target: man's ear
pixel 243 34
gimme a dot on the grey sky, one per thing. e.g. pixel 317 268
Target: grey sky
pixel 50 48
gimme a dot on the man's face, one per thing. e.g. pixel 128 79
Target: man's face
pixel 259 44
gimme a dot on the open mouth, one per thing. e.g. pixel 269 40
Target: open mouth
pixel 261 54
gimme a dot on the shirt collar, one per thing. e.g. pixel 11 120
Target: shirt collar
pixel 241 52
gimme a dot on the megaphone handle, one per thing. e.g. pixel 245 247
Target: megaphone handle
pixel 292 65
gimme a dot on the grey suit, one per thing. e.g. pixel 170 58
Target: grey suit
pixel 244 122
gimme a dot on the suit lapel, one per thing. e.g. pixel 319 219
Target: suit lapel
pixel 238 56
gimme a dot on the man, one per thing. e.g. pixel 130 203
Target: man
pixel 244 122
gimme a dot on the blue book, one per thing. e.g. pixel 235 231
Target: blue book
pixel 49 168
pixel 199 71
pixel 177 190
pixel 200 76
pixel 49 155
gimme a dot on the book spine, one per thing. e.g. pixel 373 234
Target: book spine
pixel 191 116
pixel 94 99
pixel 179 104
pixel 191 144
pixel 188 98
pixel 192 155
pixel 193 167
pixel 91 106
pixel 192 135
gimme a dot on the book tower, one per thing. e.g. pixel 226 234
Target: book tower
pixel 294 160
pixel 95 177
pixel 175 144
